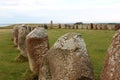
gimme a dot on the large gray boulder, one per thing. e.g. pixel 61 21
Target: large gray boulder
pixel 68 59
pixel 37 46
pixel 111 69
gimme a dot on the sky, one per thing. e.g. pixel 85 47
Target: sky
pixel 60 11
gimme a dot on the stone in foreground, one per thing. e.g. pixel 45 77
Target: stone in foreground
pixel 37 46
pixel 111 69
pixel 68 59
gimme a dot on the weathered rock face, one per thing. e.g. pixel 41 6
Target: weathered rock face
pixel 111 69
pixel 37 46
pixel 21 40
pixel 68 59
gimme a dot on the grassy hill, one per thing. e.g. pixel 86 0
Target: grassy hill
pixel 97 42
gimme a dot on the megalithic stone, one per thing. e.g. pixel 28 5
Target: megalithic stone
pixel 21 40
pixel 68 59
pixel 111 69
pixel 76 26
pixel 51 24
pixel 59 26
pixel 37 46
pixel 15 35
pixel 105 27
pixel 91 26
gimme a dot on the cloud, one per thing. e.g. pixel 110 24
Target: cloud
pixel 59 10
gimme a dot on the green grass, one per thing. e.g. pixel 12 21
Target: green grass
pixel 97 42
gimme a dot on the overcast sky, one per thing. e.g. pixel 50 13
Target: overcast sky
pixel 60 11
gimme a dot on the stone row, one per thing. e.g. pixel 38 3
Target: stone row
pixel 62 61
pixel 19 35
pixel 67 59
pixel 90 26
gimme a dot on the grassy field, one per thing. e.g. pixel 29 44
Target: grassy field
pixel 97 43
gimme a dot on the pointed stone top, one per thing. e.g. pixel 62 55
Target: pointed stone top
pixel 38 32
pixel 70 41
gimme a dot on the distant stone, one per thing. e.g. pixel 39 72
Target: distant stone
pixel 76 26
pixel 68 59
pixel 95 26
pixel 21 40
pixel 69 26
pixel 51 24
pixel 104 26
pixel 37 46
pixel 45 26
pixel 59 26
pixel 66 26
pixel 111 69
pixel 29 28
pixel 91 26
pixel 117 26
pixel 98 26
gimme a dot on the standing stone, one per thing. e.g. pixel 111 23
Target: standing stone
pixel 98 27
pixel 68 59
pixel 29 28
pixel 111 69
pixel 73 26
pixel 59 26
pixel 15 35
pixel 51 24
pixel 45 26
pixel 37 46
pixel 32 28
pixel 105 26
pixel 76 26
pixel 102 26
pixel 62 26
pixel 80 26
pixel 69 26
pixel 95 26
pixel 91 26
pixel 117 26
pixel 66 26
pixel 21 40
